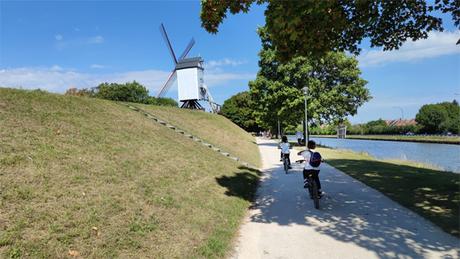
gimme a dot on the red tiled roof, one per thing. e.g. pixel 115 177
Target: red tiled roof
pixel 400 123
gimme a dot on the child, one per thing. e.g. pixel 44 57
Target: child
pixel 312 164
pixel 285 150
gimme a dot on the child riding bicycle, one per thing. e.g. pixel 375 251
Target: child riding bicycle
pixel 312 165
pixel 285 152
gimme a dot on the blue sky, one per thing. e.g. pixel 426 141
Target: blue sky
pixel 55 45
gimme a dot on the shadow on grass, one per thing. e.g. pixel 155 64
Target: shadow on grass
pixel 243 184
pixel 433 194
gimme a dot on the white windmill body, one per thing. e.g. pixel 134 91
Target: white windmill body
pixel 188 74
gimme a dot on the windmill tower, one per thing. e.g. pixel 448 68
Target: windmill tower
pixel 188 73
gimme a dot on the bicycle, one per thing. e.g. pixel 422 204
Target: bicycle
pixel 285 164
pixel 313 190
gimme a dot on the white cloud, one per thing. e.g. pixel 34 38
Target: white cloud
pixel 95 40
pixel 57 79
pixel 213 79
pixel 56 68
pixel 58 37
pixel 78 42
pixel 437 44
pixel 223 62
pixel 97 66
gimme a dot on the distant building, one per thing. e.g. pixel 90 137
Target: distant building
pixel 400 122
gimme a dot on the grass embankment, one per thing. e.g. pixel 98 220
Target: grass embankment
pixel 89 177
pixel 423 139
pixel 432 194
pixel 212 128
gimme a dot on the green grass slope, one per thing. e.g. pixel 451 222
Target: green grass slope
pixel 212 128
pixel 92 178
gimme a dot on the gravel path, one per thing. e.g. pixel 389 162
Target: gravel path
pixel 354 221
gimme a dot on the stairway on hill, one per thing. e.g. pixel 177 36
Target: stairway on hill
pixel 188 135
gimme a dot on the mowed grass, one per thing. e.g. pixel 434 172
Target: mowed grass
pixel 212 128
pixel 89 178
pixel 431 193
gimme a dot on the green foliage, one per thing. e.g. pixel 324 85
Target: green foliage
pixel 439 118
pixel 238 109
pixel 127 92
pixel 376 127
pixel 335 88
pixel 161 101
pixel 304 28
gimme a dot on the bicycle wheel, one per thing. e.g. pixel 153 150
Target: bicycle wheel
pixel 286 166
pixel 314 193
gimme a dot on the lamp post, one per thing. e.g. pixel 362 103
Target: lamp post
pixel 306 137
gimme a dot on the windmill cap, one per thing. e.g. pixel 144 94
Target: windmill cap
pixel 189 63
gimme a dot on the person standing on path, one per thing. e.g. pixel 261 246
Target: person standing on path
pixel 299 136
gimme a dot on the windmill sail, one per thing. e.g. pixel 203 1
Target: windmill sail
pixel 187 49
pixel 171 79
pixel 165 37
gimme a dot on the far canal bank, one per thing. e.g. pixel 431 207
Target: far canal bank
pixel 443 156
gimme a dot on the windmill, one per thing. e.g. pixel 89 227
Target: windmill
pixel 188 73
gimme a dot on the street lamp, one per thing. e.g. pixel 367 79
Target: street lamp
pixel 306 137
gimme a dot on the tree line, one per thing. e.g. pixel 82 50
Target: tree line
pixel 440 118
pixel 127 92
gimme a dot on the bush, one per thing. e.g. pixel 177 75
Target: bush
pixel 128 92
pixel 160 101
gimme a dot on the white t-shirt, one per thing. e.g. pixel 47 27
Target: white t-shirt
pixel 307 155
pixel 284 148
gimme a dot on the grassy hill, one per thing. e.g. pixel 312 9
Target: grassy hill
pixel 212 128
pixel 92 178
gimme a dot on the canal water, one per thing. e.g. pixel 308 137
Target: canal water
pixel 443 156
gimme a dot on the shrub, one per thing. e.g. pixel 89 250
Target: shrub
pixel 128 92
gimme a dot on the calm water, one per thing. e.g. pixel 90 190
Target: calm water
pixel 444 156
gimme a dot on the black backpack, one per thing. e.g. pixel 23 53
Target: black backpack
pixel 315 159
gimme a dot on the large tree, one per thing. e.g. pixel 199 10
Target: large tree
pixel 335 88
pixel 238 109
pixel 310 27
pixel 439 118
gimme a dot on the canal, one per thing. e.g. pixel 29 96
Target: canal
pixel 443 156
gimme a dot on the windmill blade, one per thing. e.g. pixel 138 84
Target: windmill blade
pixel 187 49
pixel 165 37
pixel 164 89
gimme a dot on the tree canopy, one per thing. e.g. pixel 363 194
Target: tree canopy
pixel 439 118
pixel 305 28
pixel 238 109
pixel 335 87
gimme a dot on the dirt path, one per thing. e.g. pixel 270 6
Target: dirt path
pixel 354 221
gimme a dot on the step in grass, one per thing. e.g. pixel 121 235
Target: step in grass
pixel 211 128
